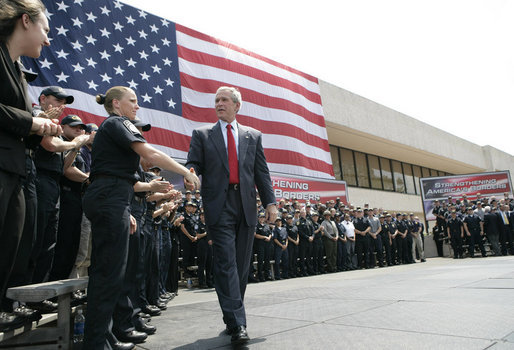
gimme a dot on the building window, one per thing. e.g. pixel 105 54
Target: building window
pixel 409 179
pixel 399 182
pixel 362 169
pixel 348 166
pixel 387 175
pixel 417 175
pixel 425 172
pixel 336 164
pixel 374 172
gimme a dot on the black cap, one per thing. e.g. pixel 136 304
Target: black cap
pixel 58 92
pixel 91 127
pixel 141 124
pixel 72 120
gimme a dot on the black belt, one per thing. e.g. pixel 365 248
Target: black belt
pixel 29 152
pixel 105 176
pixel 234 187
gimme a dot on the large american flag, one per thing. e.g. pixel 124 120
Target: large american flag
pixel 175 72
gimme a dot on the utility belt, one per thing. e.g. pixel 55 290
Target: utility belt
pixel 29 153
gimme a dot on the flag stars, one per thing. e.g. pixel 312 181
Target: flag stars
pixel 130 41
pixel 142 34
pixel 91 62
pixel 146 98
pixel 166 42
pixel 90 39
pixel 171 103
pixel 105 77
pixel 130 20
pixel 164 23
pixel 46 63
pixel 143 55
pixel 77 68
pixel 91 16
pixel 167 61
pixel 92 85
pixel 77 22
pixel 132 84
pixel 105 32
pixel 62 6
pixel 154 28
pixel 169 82
pixel 118 70
pixel 62 77
pixel 131 62
pixel 118 5
pixel 61 30
pixel 155 48
pixel 158 90
pixel 142 14
pixel 105 55
pixel 61 54
pixel 118 26
pixel 78 2
pixel 156 69
pixel 105 10
pixel 77 46
pixel 118 48
pixel 144 76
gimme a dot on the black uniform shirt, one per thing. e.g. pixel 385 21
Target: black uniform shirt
pixel 190 224
pixel 48 161
pixel 280 233
pixel 263 230
pixel 305 229
pixel 292 231
pixel 112 153
pixel 392 227
pixel 454 225
pixel 385 228
pixel 315 226
pixel 401 226
pixel 473 223
pixel 361 224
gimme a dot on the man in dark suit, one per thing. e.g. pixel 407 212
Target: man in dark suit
pixel 231 160
pixel 492 230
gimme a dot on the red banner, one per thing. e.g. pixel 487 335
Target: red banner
pixel 487 184
pixel 307 189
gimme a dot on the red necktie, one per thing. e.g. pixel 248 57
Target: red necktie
pixel 233 165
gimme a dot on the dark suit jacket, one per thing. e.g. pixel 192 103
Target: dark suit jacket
pixel 492 224
pixel 208 156
pixel 15 115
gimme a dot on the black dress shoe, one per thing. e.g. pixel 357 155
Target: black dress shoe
pixel 145 328
pixel 151 310
pixel 162 306
pixel 28 314
pixel 45 306
pixel 10 321
pixel 132 337
pixel 122 346
pixel 239 335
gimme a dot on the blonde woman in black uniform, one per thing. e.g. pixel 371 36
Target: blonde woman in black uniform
pixel 115 158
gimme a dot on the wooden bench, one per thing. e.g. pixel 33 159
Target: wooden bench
pixel 34 336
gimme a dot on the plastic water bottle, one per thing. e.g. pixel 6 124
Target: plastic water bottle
pixel 189 283
pixel 78 327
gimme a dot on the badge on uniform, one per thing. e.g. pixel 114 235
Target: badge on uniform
pixel 128 124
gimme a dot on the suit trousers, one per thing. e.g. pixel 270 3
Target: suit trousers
pixel 292 251
pixel 107 206
pixel 12 216
pixel 305 255
pixel 341 255
pixel 232 246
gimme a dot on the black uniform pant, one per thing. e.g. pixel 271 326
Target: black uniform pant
pixel 173 272
pixel 152 266
pixel 293 259
pixel 407 249
pixel 12 216
pixel 204 252
pixel 264 255
pixel 456 242
pixel 281 263
pixel 476 238
pixel 20 271
pixel 362 250
pixel 506 237
pixel 107 206
pixel 386 243
pixel 165 257
pixel 398 249
pixel 305 255
pixel 438 239
pixel 48 191
pixel 375 245
pixel 188 254
pixel 317 256
pixel 68 234
pixel 341 255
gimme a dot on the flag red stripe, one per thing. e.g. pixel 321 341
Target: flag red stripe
pixel 240 68
pixel 210 39
pixel 264 126
pixel 210 86
pixel 280 156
